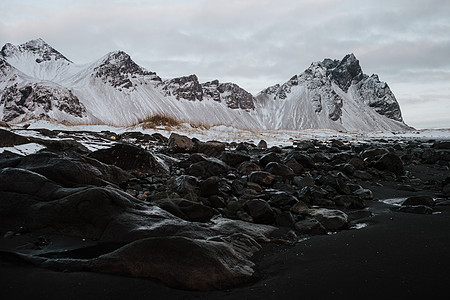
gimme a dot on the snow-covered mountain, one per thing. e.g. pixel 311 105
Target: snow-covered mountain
pixel 38 82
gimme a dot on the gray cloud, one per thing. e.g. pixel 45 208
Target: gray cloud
pixel 254 43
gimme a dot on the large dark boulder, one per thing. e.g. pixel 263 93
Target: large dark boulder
pixel 390 162
pixel 260 211
pixel 210 148
pixel 156 244
pixel 129 157
pixel 207 168
pixel 9 139
pixel 180 143
pixel 69 169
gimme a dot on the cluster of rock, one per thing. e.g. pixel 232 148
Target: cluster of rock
pixel 157 199
pixel 29 99
pixel 189 88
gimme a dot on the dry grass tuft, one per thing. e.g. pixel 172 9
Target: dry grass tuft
pixel 159 120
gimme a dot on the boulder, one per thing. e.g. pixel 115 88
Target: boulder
pixel 260 211
pixel 303 181
pixel 180 143
pixel 282 200
pixel 303 159
pixel 310 226
pixel 390 162
pixel 280 169
pixel 233 158
pixel 414 209
pixel 210 148
pixel 262 144
pixel 268 158
pixel 261 178
pixel 247 167
pixel 371 154
pixel 285 219
pixel 331 219
pixel 207 168
pixel 9 139
pixel 185 186
pixel 132 158
pixel 295 166
pixel 419 200
pixel 364 194
pixel 70 169
pixel 209 186
pixel 349 201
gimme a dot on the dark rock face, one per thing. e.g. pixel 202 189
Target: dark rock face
pixel 117 69
pixel 344 72
pixel 186 87
pixel 236 97
pixel 189 88
pixel 23 102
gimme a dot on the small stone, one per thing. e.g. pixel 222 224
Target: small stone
pixel 209 186
pixel 262 144
pixel 261 178
pixel 299 207
pixel 364 194
pixel 280 170
pixel 419 200
pixel 295 166
pixel 331 219
pixel 247 167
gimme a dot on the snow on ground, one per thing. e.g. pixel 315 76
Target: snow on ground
pixel 24 149
pixel 229 134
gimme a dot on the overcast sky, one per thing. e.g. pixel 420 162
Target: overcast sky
pixel 256 43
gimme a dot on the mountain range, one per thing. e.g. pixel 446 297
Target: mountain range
pixel 38 82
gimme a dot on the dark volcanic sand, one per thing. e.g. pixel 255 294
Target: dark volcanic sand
pixel 398 255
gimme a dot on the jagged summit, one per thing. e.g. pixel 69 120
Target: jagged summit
pixel 36 81
pixel 117 68
pixel 344 72
pixel 38 47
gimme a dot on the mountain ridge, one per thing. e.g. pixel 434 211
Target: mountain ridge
pixel 38 82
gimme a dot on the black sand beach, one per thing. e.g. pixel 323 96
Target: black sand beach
pixel 384 252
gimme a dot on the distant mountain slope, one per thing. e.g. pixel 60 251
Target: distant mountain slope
pixel 38 82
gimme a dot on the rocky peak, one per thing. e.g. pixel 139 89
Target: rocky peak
pixel 186 87
pixel 344 72
pixel 117 68
pixel 235 96
pixel 38 47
